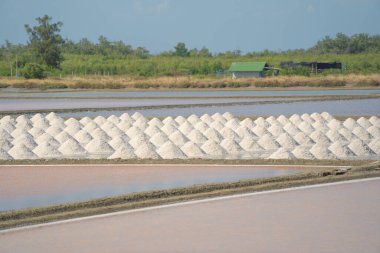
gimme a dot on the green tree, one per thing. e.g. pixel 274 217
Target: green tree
pixel 46 41
pixel 181 50
pixel 33 70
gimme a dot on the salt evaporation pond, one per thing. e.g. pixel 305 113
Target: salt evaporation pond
pixel 207 93
pixel 25 186
pixel 35 104
pixel 360 107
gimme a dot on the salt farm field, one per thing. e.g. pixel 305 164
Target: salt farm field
pixel 181 135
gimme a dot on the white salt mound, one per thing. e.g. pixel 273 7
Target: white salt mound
pixel 124 152
pixel 231 146
pixel 5 144
pixel 350 124
pixel 159 139
pixel 375 145
pixel 100 134
pixel 276 130
pixel 286 141
pixel 201 126
pixel 283 120
pixel 212 134
pixel 282 153
pixel 267 142
pixel 155 122
pixel 363 122
pixel 47 138
pixel 206 119
pixel 71 148
pixel 213 150
pixel 99 148
pixel 247 122
pixel 152 130
pixel 196 136
pixel 25 139
pixel 361 133
pixel 46 150
pixel 360 148
pixel 306 127
pixel 335 136
pixel 249 145
pixel 303 139
pixel 193 119
pixel 321 138
pixel 186 128
pixel 63 137
pixel 180 120
pixel 170 151
pixel 21 152
pixel 83 137
pixel 291 129
pixel 320 151
pixel 341 150
pixel 137 115
pixel 178 138
pixel 119 141
pixel 244 131
pixel 4 155
pixel 54 130
pixel 139 140
pixel 217 125
pixel 192 150
pixel 168 129
pixel 146 151
pixel 374 131
pixel 302 152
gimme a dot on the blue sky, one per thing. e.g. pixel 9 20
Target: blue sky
pixel 219 25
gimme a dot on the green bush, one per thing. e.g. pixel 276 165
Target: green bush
pixel 33 70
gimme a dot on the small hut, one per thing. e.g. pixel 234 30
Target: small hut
pixel 250 69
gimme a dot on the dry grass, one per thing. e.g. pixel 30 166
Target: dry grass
pixel 188 82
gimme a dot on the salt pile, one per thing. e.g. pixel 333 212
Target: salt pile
pixel 322 152
pixel 360 148
pixel 72 149
pixel 47 151
pixel 309 136
pixel 213 149
pixel 282 153
pixel 124 152
pixel 20 151
pixel 170 151
pixel 192 150
pixel 267 142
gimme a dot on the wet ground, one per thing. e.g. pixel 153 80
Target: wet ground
pixel 341 218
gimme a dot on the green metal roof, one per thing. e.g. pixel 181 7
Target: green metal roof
pixel 247 66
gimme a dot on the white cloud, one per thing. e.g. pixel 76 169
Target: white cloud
pixel 143 7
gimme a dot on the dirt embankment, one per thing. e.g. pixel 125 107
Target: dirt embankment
pixel 192 82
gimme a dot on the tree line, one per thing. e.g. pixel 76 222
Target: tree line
pixel 48 53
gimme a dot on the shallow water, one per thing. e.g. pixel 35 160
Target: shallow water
pixel 24 186
pixel 342 107
pixel 139 94
pixel 35 104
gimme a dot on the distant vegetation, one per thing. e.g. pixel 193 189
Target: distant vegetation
pixel 360 54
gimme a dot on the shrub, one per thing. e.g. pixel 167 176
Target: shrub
pixel 33 70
